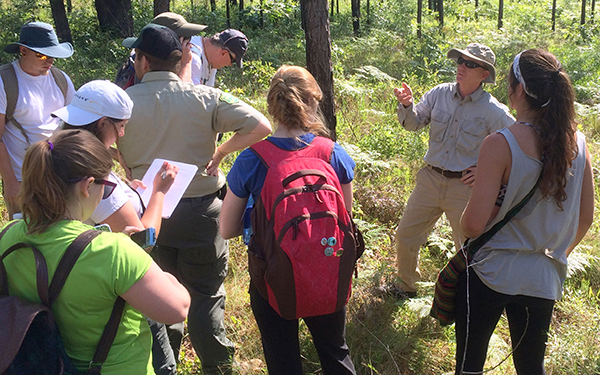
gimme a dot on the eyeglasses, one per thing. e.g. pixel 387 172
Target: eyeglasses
pixel 231 58
pixel 109 186
pixel 41 56
pixel 468 63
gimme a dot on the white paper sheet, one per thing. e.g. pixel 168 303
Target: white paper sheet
pixel 182 181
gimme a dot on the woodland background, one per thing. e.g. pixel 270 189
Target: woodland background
pixel 373 51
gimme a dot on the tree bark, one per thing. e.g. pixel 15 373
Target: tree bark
pixel 161 6
pixel 501 13
pixel 553 15
pixel 318 55
pixel 115 16
pixel 228 12
pixel 583 12
pixel 441 11
pixel 61 23
pixel 356 17
pixel 419 18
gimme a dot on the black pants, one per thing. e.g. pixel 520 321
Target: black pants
pixel 528 321
pixel 282 347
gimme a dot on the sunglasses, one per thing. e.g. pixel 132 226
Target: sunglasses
pixel 41 56
pixel 109 186
pixel 231 58
pixel 468 63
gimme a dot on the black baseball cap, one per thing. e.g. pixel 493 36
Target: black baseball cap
pixel 155 40
pixel 236 42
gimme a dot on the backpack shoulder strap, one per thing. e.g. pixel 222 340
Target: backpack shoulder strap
pixel 322 148
pixel 61 81
pixel 11 89
pixel 67 262
pixel 107 338
pixel 269 153
pixel 3 277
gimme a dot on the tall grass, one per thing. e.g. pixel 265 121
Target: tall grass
pixel 385 336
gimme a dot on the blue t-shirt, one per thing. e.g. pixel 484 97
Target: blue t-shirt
pixel 248 172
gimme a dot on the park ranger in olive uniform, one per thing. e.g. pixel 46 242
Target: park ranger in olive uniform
pixel 179 121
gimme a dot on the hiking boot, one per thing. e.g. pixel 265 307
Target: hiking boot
pixel 394 291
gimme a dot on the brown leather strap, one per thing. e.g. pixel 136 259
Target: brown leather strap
pixel 41 271
pixel 447 173
pixel 107 338
pixel 67 262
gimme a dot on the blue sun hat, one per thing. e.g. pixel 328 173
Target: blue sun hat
pixel 40 37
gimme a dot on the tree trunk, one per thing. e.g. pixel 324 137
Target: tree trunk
pixel 262 14
pixel 553 15
pixel 116 16
pixel 318 55
pixel 332 7
pixel 241 5
pixel 161 6
pixel 213 5
pixel 61 23
pixel 441 12
pixel 501 13
pixel 592 11
pixel 583 12
pixel 228 12
pixel 368 12
pixel 356 17
pixel 419 15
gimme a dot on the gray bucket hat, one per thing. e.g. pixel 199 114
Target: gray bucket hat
pixel 40 37
pixel 480 53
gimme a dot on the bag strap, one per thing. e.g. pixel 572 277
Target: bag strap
pixel 271 154
pixel 67 262
pixel 61 81
pixel 473 246
pixel 107 338
pixel 11 89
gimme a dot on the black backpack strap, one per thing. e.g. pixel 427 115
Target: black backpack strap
pixel 61 81
pixel 68 261
pixel 3 277
pixel 107 338
pixel 11 89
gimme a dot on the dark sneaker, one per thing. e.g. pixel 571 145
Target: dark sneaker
pixel 394 291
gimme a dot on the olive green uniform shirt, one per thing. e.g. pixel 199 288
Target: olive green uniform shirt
pixel 179 121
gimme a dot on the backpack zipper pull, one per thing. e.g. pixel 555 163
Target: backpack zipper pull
pixel 318 196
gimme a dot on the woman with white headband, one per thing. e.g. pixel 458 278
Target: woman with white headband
pixel 521 269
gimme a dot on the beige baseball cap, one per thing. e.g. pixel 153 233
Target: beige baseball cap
pixel 480 53
pixel 177 23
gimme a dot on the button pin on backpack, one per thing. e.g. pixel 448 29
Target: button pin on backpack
pixel 331 241
pixel 324 241
pixel 329 251
pixel 339 253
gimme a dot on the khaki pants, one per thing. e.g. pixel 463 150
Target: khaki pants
pixel 433 195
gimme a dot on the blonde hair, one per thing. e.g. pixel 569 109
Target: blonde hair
pixel 293 100
pixel 50 169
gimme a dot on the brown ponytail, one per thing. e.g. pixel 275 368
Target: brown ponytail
pixel 293 100
pixel 49 171
pixel 551 95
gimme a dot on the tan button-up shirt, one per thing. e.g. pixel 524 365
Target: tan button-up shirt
pixel 179 121
pixel 457 126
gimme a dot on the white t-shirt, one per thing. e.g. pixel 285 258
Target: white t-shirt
pixel 202 72
pixel 38 97
pixel 117 199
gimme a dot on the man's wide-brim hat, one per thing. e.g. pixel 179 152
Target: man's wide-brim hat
pixel 480 53
pixel 177 23
pixel 40 37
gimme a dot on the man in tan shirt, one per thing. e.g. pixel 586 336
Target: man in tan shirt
pixel 179 121
pixel 460 114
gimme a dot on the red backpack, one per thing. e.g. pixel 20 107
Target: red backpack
pixel 304 248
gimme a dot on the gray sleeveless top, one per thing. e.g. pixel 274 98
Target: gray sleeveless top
pixel 527 256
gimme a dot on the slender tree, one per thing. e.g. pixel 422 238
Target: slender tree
pixel 161 6
pixel 553 15
pixel 318 54
pixel 583 4
pixel 61 23
pixel 213 5
pixel 419 16
pixel 116 16
pixel 501 12
pixel 356 17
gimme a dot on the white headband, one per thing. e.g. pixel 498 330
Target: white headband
pixel 519 77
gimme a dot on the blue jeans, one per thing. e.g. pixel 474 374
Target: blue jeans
pixel 190 247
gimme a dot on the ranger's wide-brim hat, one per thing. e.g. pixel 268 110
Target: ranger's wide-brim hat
pixel 480 53
pixel 40 37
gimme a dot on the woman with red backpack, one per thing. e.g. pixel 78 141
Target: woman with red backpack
pixel 301 267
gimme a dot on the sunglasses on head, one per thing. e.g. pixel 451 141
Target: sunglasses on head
pixel 41 56
pixel 468 63
pixel 109 186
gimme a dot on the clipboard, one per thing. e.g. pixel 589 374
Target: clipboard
pixel 182 181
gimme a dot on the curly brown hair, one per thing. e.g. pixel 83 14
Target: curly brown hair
pixel 554 104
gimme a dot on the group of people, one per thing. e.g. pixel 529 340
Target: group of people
pixel 480 163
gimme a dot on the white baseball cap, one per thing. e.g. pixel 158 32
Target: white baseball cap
pixel 94 100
